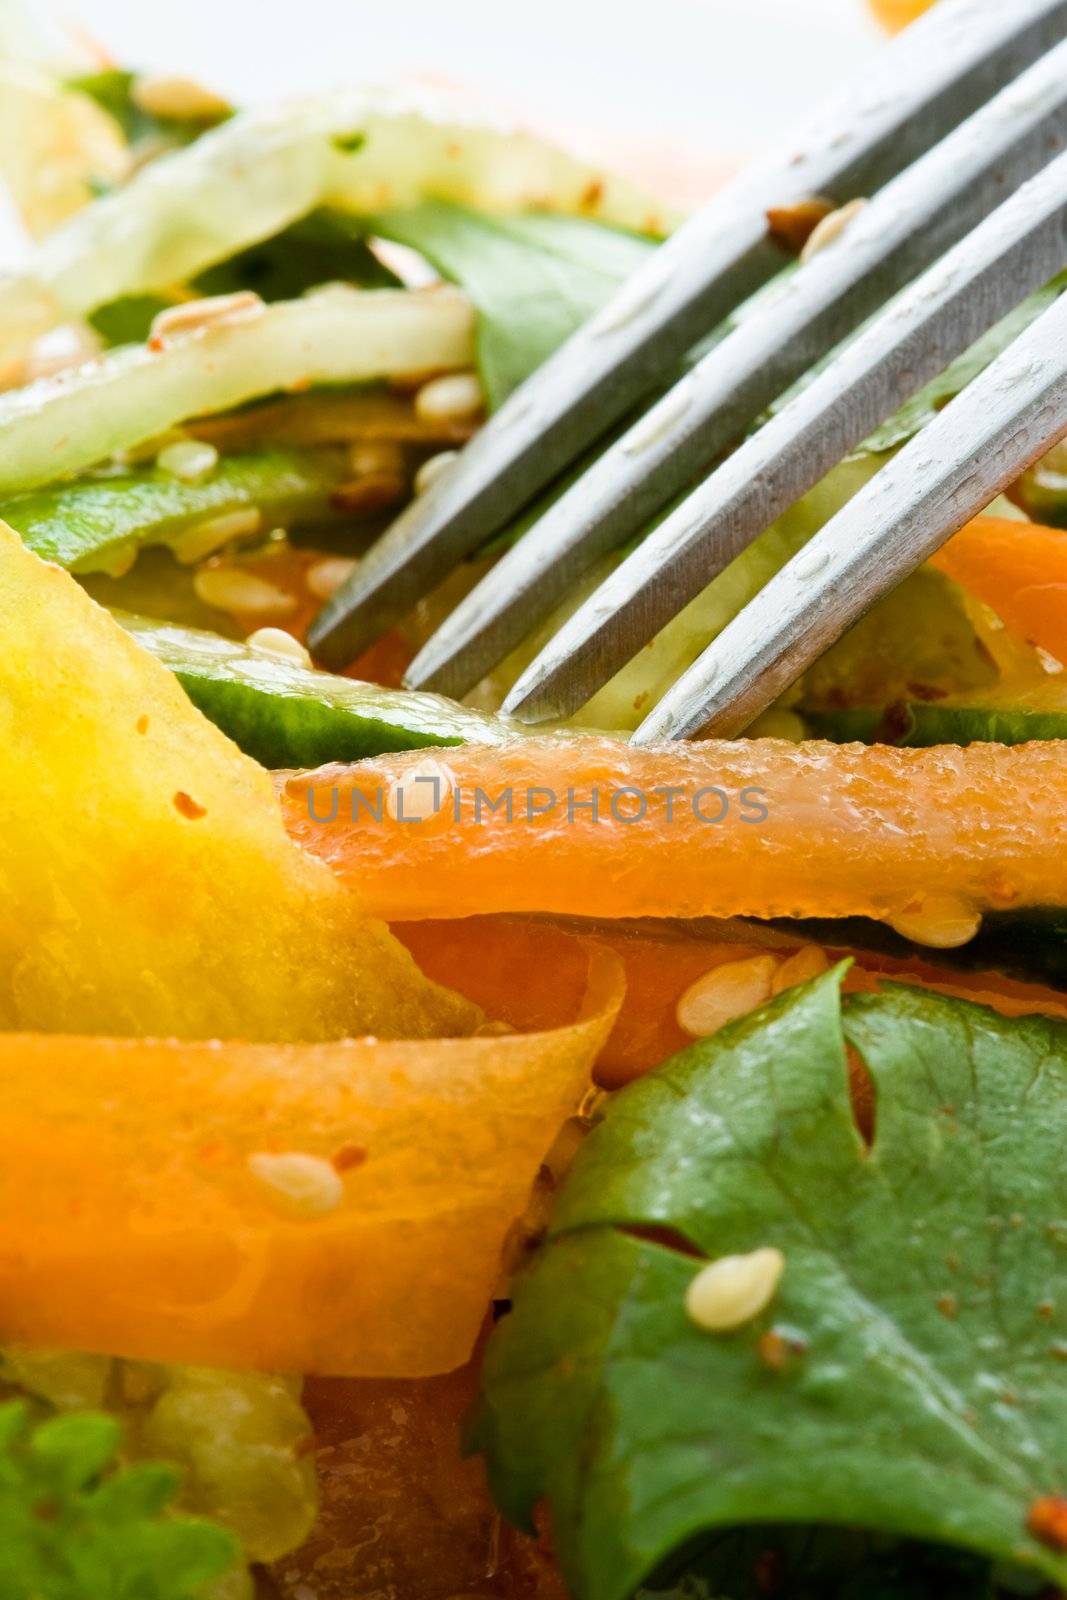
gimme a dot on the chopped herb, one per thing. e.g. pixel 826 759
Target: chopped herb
pixel 75 1527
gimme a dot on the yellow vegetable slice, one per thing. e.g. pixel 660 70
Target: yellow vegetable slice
pixel 335 1208
pixel 147 885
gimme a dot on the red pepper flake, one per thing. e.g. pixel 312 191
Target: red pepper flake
pixel 1047 1520
pixel 186 806
pixel 349 1156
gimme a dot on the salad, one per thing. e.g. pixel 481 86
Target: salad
pixel 445 1159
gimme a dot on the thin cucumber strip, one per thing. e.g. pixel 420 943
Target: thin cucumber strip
pixel 266 168
pixel 99 524
pixel 942 722
pixel 65 424
pixel 285 715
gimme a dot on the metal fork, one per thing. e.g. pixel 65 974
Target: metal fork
pixel 969 106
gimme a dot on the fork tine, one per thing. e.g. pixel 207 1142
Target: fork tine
pixel 935 74
pixel 980 161
pixel 1002 423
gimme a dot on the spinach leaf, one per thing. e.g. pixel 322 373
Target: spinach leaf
pixel 533 279
pixel 923 407
pixel 906 1380
pixel 324 247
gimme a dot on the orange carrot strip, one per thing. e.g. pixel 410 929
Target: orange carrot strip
pixel 139 1217
pixel 848 830
pixel 1017 568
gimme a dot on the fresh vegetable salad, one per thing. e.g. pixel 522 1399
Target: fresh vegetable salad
pixel 444 1159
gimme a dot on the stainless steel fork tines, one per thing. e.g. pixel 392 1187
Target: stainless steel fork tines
pixel 951 198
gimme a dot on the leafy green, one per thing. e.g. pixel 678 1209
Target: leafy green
pixel 74 1527
pixel 286 715
pixel 325 247
pixel 906 1379
pixel 534 279
pixel 94 524
pixel 923 407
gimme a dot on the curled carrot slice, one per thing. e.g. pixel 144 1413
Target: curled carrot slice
pixel 1019 569
pixel 489 959
pixel 334 1208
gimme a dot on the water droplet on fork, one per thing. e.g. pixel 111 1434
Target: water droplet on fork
pixel 810 562
pixel 632 299
pixel 660 420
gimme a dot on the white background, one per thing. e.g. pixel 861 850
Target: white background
pixel 712 78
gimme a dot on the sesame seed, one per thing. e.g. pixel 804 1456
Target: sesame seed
pixel 306 1185
pixel 326 576
pixel 276 642
pixel 203 538
pixel 191 460
pixel 810 962
pixel 725 993
pixel 432 469
pixel 375 491
pixel 731 1291
pixel 942 922
pixel 193 316
pixel 368 457
pixel 420 793
pixel 831 228
pixel 452 397
pixel 176 99
pixel 243 594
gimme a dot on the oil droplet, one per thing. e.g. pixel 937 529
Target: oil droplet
pixel 810 561
pixel 660 420
pixel 633 298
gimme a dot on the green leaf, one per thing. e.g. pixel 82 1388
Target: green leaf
pixel 913 1384
pixel 97 524
pixel 325 247
pixel 923 407
pixel 75 1527
pixel 533 279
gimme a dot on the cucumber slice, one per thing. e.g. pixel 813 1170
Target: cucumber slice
pixel 975 720
pixel 285 715
pixel 99 524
